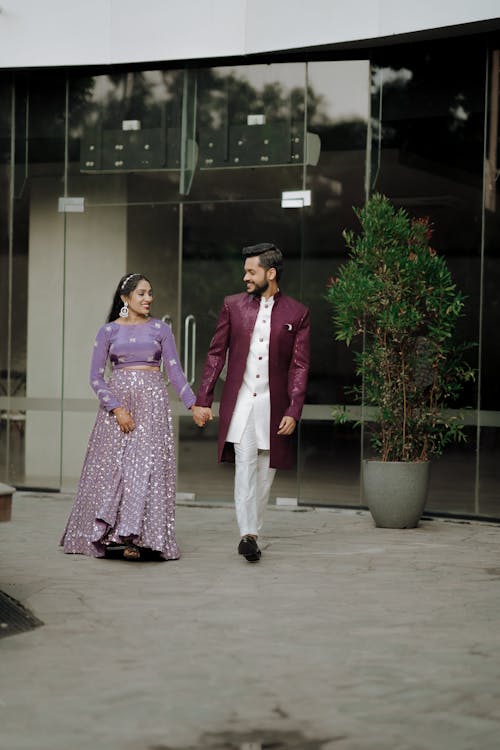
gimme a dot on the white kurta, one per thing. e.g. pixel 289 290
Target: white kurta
pixel 254 391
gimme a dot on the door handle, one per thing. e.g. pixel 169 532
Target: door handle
pixel 190 332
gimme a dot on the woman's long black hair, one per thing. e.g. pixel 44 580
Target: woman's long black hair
pixel 126 286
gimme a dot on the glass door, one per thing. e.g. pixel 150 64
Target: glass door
pixel 212 267
pixel 31 261
pixel 251 136
pixel 103 242
pixel 339 114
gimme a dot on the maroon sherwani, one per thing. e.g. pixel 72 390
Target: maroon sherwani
pixel 288 367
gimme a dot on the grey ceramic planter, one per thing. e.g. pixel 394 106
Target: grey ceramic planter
pixel 396 492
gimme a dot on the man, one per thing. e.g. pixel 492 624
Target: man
pixel 266 337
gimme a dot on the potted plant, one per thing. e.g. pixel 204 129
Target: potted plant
pixel 396 297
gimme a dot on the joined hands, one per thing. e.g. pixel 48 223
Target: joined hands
pixel 202 415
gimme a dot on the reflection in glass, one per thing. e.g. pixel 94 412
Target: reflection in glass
pixel 189 146
pixel 248 118
pixel 212 267
pixel 428 105
pixel 33 126
pixel 6 268
pixel 251 116
pixel 338 113
pixel 128 123
pixel 489 500
pixel 329 466
pixel 426 118
pixel 452 481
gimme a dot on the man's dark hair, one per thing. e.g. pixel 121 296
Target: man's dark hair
pixel 269 256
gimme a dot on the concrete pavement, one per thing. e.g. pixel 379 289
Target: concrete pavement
pixel 343 637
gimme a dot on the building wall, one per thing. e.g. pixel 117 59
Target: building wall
pixel 66 32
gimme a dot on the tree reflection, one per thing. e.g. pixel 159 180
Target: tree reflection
pixel 432 107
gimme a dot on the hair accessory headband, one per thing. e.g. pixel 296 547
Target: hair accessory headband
pixel 126 280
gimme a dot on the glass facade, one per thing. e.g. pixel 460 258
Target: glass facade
pixel 172 172
pixel 428 123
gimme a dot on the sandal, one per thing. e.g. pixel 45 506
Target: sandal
pixel 131 552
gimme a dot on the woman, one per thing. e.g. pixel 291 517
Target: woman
pixel 126 493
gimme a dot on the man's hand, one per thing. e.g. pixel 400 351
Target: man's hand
pixel 201 415
pixel 287 426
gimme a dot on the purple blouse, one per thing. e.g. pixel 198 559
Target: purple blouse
pixel 136 344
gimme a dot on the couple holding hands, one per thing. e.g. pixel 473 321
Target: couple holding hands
pixel 126 493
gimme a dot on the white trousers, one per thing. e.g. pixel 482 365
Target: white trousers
pixel 252 480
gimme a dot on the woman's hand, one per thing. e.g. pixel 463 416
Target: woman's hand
pixel 124 419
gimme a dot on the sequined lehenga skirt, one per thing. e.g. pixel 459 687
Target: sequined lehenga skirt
pixel 127 487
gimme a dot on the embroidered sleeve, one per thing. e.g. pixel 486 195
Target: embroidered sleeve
pixel 173 366
pixel 97 367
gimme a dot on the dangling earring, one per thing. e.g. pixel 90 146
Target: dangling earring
pixel 124 311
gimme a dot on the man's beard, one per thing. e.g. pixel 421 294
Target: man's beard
pixel 259 289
